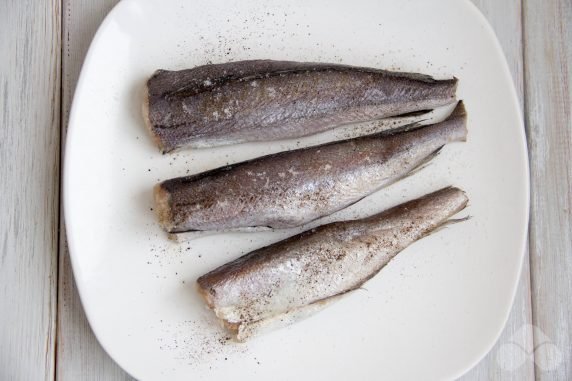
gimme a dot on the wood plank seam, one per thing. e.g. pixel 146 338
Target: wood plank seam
pixel 56 121
pixel 525 120
pixel 29 69
pixel 60 191
pixel 548 107
pixel 526 128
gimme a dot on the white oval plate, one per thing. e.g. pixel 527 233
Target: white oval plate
pixel 433 313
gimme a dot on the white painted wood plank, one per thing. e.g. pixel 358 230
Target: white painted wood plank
pixel 548 74
pixel 30 34
pixel 505 361
pixel 80 357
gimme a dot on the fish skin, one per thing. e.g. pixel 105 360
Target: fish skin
pixel 265 100
pixel 307 271
pixel 292 188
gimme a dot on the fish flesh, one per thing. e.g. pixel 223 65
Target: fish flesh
pixel 265 100
pixel 292 188
pixel 289 280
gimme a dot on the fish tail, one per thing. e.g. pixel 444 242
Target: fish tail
pixel 450 222
pixel 425 162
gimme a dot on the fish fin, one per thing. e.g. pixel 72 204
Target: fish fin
pixel 195 234
pixel 413 114
pixel 450 222
pixel 422 164
pixel 406 127
pixel 458 112
pixel 190 235
pixel 401 129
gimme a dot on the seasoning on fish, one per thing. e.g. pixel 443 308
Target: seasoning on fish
pixel 292 188
pixel 264 100
pixel 289 280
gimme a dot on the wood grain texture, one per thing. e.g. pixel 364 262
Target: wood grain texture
pixel 80 357
pixel 548 75
pixel 505 361
pixel 29 169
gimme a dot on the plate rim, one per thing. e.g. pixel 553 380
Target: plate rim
pixel 72 129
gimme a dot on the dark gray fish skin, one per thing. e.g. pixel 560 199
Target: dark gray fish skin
pixel 292 188
pixel 299 274
pixel 264 100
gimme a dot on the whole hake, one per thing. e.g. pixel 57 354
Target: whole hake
pixel 292 188
pixel 281 283
pixel 264 100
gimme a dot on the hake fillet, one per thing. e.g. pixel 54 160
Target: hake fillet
pixel 264 100
pixel 292 188
pixel 289 280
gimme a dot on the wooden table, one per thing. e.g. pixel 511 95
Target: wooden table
pixel 43 330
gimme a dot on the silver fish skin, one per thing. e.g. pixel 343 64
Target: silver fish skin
pixel 296 277
pixel 265 100
pixel 292 188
